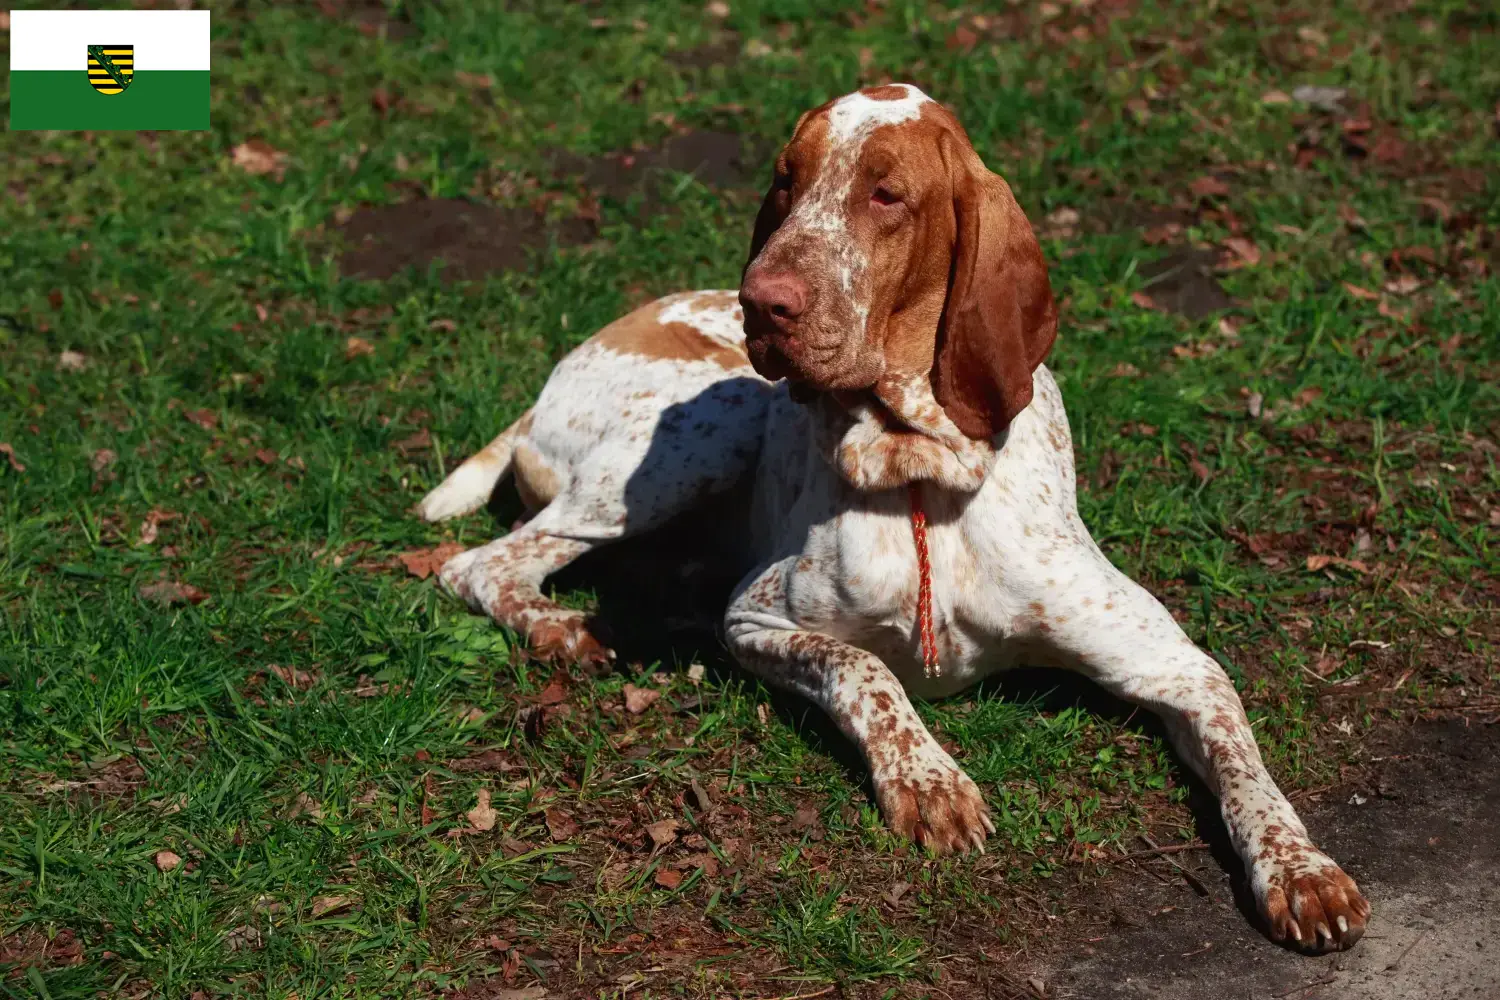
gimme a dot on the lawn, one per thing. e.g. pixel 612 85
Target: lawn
pixel 248 748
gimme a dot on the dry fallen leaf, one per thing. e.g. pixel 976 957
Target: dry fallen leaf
pixel 717 9
pixel 696 672
pixel 324 905
pixel 477 81
pixel 1275 97
pixel 357 347
pixel 102 460
pixel 1404 285
pixel 1123 370
pixel 305 805
pixel 1361 293
pixel 663 831
pixel 10 453
pixel 72 361
pixel 420 441
pixel 1143 300
pixel 422 563
pixel 207 419
pixel 258 157
pixel 297 680
pixel 166 861
pixel 1245 252
pixel 245 937
pixel 482 817
pixel 169 592
pixel 1208 186
pixel 667 878
pixel 560 824
pixel 637 700
pixel 1164 233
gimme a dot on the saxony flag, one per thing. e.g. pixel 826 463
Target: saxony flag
pixel 109 69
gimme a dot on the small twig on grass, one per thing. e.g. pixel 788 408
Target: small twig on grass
pixel 1192 880
pixel 1195 845
pixel 1305 987
pixel 1402 957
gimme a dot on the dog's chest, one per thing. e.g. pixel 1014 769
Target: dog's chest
pixel 859 575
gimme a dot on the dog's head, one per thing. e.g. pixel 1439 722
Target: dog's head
pixel 885 250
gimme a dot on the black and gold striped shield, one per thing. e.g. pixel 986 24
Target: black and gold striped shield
pixel 111 67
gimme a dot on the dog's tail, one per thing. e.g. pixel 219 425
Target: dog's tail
pixel 469 486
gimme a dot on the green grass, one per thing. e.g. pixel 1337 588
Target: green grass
pixel 192 285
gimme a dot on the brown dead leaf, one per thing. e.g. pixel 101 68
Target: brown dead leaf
pixel 265 456
pixel 72 361
pixel 305 805
pixel 165 861
pixel 1316 563
pixel 474 81
pixel 1275 97
pixel 258 157
pixel 357 347
pixel 324 905
pixel 663 832
pixel 207 419
pixel 637 700
pixel 1361 293
pixel 1143 300
pixel 1164 233
pixel 482 817
pixel 10 453
pixel 1245 253
pixel 1209 186
pixel 1403 285
pixel 667 878
pixel 168 593
pixel 100 463
pixel 1124 370
pixel 556 691
pixel 422 563
pixel 420 441
pixel 245 937
pixel 806 818
pixel 297 680
pixel 560 824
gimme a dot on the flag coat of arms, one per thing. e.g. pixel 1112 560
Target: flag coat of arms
pixel 109 69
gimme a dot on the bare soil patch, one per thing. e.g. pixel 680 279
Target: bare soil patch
pixel 1414 826
pixel 470 239
pixel 718 159
pixel 1182 282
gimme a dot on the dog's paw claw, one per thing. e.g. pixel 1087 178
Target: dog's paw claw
pixel 1320 910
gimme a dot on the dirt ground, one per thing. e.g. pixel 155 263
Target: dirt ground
pixel 1419 830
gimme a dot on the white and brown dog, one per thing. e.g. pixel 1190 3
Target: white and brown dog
pixel 877 388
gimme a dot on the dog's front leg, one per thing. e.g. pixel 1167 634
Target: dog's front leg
pixel 1103 624
pixel 922 792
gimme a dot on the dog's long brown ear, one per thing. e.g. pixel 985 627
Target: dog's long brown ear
pixel 999 320
pixel 773 209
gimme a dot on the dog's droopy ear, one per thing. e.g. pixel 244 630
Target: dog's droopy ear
pixel 999 320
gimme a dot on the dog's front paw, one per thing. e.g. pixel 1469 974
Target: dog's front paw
pixel 1310 903
pixel 567 638
pixel 935 804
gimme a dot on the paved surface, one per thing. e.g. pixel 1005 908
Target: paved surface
pixel 1421 836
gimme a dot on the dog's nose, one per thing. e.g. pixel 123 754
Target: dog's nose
pixel 778 298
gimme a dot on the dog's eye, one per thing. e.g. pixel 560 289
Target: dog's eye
pixel 883 196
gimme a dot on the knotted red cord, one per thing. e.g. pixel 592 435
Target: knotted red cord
pixel 924 583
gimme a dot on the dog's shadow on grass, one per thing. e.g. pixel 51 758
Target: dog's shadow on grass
pixel 660 599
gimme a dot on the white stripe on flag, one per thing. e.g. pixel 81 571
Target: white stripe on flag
pixel 59 39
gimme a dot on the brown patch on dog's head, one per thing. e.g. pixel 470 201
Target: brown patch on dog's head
pixel 884 250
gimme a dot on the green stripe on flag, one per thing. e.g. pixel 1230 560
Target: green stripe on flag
pixel 63 99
